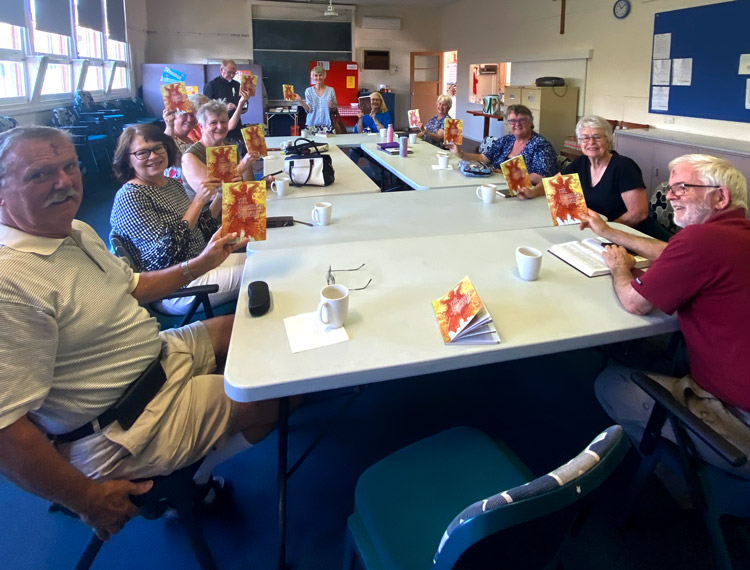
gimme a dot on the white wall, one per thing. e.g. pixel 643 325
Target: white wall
pixel 618 73
pixel 195 30
pixel 417 33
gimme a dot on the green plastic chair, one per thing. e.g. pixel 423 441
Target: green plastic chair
pixel 435 504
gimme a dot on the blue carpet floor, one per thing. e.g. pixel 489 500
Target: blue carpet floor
pixel 543 407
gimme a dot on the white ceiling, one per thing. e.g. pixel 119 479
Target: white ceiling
pixel 433 3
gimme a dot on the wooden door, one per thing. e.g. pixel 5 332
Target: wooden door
pixel 426 79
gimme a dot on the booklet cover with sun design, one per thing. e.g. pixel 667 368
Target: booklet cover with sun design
pixel 463 318
pixel 249 83
pixel 288 92
pixel 516 174
pixel 221 162
pixel 565 198
pixel 414 120
pixel 175 97
pixel 454 131
pixel 243 209
pixel 255 139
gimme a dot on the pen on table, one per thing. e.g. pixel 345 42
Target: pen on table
pixel 273 174
pixel 300 222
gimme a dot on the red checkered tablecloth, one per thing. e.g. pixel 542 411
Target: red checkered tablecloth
pixel 348 111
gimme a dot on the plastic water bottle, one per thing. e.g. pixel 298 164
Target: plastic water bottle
pixel 402 146
pixel 389 136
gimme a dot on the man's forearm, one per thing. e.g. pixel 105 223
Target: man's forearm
pixel 629 297
pixel 154 285
pixel 29 460
pixel 647 247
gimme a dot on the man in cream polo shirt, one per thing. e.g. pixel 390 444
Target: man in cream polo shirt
pixel 74 337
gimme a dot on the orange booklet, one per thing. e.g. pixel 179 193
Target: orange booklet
pixel 248 82
pixel 565 198
pixel 516 174
pixel 414 118
pixel 243 209
pixel 288 92
pixel 454 131
pixel 255 139
pixel 462 317
pixel 176 98
pixel 221 162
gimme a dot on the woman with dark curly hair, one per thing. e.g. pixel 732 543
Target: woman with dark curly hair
pixel 159 224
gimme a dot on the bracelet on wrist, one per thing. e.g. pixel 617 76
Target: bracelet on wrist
pixel 186 271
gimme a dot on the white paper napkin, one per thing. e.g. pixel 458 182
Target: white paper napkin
pixel 437 167
pixel 305 332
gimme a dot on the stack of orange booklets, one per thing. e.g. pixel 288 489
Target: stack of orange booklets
pixel 516 174
pixel 243 210
pixel 454 129
pixel 221 162
pixel 255 139
pixel 565 198
pixel 462 317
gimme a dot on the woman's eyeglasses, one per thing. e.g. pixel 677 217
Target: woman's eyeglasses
pixel 514 122
pixel 586 138
pixel 144 153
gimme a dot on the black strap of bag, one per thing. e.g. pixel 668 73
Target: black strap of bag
pixel 310 161
pixel 306 147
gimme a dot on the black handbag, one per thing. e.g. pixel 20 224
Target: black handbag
pixel 304 147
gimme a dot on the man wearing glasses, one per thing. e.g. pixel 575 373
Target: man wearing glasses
pixel 703 274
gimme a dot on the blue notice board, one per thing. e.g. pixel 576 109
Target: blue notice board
pixel 707 42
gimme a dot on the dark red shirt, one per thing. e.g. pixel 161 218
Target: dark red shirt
pixel 704 275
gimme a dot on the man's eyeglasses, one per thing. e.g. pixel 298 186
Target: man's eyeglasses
pixel 681 187
pixel 586 138
pixel 331 279
pixel 514 122
pixel 144 153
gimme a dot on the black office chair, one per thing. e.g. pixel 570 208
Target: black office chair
pixel 199 293
pixel 713 491
pixel 177 491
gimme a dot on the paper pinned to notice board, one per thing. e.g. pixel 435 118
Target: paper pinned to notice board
pixel 747 95
pixel 662 46
pixel 660 72
pixel 744 64
pixel 325 65
pixel 660 98
pixel 682 71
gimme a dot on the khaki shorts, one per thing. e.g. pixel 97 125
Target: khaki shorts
pixel 189 417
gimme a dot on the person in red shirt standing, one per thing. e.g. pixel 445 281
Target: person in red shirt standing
pixel 703 274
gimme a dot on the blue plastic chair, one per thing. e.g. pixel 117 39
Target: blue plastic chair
pixel 435 504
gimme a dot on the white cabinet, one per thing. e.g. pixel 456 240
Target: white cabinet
pixel 554 109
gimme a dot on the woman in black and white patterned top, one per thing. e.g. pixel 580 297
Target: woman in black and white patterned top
pixel 159 224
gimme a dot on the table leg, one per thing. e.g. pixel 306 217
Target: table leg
pixel 282 477
pixel 486 127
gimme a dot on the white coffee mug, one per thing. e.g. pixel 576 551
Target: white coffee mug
pixel 321 213
pixel 334 305
pixel 487 193
pixel 529 262
pixel 443 161
pixel 303 133
pixel 281 186
pixel 383 134
pixel 412 138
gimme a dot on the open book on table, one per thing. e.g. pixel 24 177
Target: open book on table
pixel 462 317
pixel 586 256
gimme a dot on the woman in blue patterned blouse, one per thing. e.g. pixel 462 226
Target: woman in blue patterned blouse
pixel 433 131
pixel 159 224
pixel 319 100
pixel 537 152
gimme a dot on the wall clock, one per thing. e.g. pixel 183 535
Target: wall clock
pixel 621 9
